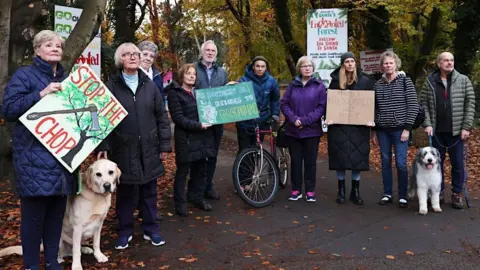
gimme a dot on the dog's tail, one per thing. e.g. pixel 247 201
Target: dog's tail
pixel 14 250
pixel 11 250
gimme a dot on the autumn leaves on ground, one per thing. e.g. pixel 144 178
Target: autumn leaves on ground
pixel 10 215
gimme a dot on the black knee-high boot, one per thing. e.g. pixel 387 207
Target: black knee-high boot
pixel 341 192
pixel 355 193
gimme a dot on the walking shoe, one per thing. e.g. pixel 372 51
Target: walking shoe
pixel 385 200
pixel 122 242
pixel 403 203
pixel 155 238
pixel 311 197
pixel 295 196
pixel 212 195
pixel 457 202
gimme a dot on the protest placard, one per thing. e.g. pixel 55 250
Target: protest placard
pixel 226 104
pixel 350 107
pixel 72 122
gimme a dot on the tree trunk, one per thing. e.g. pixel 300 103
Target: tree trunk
pixel 84 32
pixel 155 21
pixel 378 33
pixel 4 42
pixel 427 44
pixel 68 158
pixel 467 35
pixel 284 23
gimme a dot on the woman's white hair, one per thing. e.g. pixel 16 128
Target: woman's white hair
pixel 120 50
pixel 45 36
pixel 393 55
pixel 302 60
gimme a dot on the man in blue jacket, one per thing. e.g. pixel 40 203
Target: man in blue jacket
pixel 210 75
pixel 267 95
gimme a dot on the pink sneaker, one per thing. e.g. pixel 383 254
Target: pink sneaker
pixel 311 197
pixel 295 195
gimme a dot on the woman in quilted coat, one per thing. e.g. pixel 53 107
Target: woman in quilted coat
pixel 42 182
pixel 349 145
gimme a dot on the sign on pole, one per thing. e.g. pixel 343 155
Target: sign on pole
pixel 370 60
pixel 327 39
pixel 65 20
pixel 350 107
pixel 72 122
pixel 227 104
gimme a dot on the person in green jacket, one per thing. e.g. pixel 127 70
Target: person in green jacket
pixel 449 101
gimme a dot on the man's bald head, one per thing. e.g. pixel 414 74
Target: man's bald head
pixel 445 62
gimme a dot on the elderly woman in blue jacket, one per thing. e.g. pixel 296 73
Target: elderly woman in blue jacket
pixel 42 182
pixel 267 95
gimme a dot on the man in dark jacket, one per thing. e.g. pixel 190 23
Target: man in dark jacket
pixel 449 95
pixel 267 95
pixel 209 75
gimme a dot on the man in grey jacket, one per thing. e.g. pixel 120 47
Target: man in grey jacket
pixel 449 101
pixel 209 75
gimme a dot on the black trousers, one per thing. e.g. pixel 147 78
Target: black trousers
pixel 42 219
pixel 212 162
pixel 446 142
pixel 247 139
pixel 303 153
pixel 126 202
pixel 198 178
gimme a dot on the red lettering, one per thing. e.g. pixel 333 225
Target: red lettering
pixel 108 105
pixel 79 72
pixel 116 116
pixel 58 138
pixel 92 76
pixel 98 92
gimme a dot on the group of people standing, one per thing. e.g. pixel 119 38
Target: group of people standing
pixel 141 142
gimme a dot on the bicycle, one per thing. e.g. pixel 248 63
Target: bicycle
pixel 258 173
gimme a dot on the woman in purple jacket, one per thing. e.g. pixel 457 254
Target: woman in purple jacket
pixel 303 104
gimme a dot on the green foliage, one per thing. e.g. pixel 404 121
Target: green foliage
pixel 74 99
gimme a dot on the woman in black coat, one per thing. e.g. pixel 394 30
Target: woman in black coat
pixel 349 145
pixel 138 145
pixel 193 142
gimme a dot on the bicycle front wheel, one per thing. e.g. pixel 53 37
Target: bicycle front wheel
pixel 256 177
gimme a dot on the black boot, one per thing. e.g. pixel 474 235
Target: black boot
pixel 341 192
pixel 355 193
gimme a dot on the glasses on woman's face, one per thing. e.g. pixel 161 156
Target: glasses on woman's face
pixel 130 54
pixel 306 66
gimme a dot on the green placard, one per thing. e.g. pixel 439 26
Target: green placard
pixel 227 104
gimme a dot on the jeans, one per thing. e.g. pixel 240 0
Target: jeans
pixel 41 219
pixel 387 139
pixel 355 175
pixel 454 145
pixel 126 202
pixel 303 153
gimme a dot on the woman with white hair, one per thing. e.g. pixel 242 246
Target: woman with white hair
pixel 149 53
pixel 303 105
pixel 396 107
pixel 42 182
pixel 138 145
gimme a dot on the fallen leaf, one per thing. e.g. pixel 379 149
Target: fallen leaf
pixel 228 223
pixel 206 217
pixel 241 232
pixel 169 214
pixel 390 257
pixel 408 252
pixel 141 264
pixel 386 228
pixel 336 255
pixel 311 226
pixel 312 252
pixel 219 222
pixel 206 221
pixel 305 216
pixel 181 259
pixel 364 248
pixel 193 259
pixel 295 222
pixel 164 267
pixel 448 251
pixel 198 218
pixel 266 263
pixel 276 244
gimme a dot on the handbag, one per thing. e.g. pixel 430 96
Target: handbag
pixel 421 110
pixel 281 140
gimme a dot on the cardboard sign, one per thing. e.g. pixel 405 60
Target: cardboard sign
pixel 350 107
pixel 227 104
pixel 71 123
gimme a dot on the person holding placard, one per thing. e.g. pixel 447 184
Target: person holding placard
pixel 303 105
pixel 396 107
pixel 43 183
pixel 194 142
pixel 349 145
pixel 138 145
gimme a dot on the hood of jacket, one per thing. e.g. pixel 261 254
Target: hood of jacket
pixel 251 75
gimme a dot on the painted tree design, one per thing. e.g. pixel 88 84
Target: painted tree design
pixel 74 98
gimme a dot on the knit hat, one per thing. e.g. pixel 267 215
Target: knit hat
pixel 345 56
pixel 261 58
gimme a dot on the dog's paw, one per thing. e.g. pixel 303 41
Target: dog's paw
pixel 60 260
pixel 77 266
pixel 101 258
pixel 437 209
pixel 87 250
pixel 423 211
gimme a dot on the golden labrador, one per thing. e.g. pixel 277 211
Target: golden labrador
pixel 85 214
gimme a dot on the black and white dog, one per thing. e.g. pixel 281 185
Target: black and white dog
pixel 426 179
